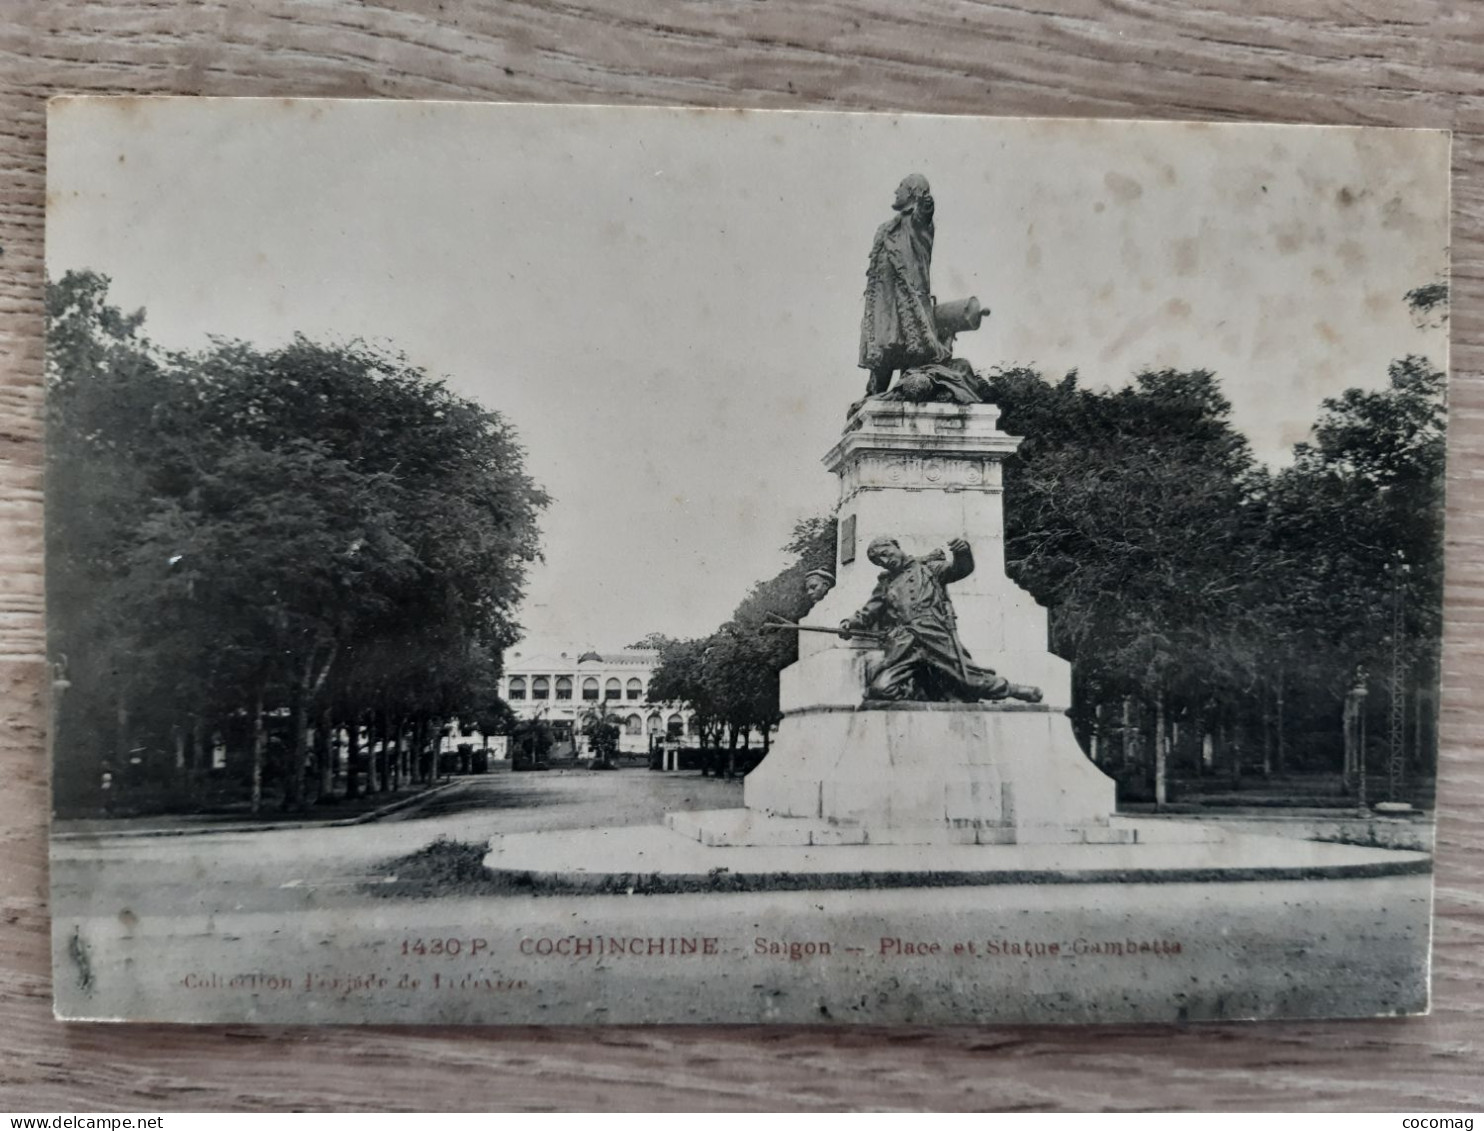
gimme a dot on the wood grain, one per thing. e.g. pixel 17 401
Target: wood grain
pixel 1380 62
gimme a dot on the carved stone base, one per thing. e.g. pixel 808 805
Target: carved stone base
pixel 924 773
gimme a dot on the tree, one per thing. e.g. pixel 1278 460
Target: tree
pixel 656 641
pixel 1102 500
pixel 730 678
pixel 1429 303
pixel 105 385
pixel 602 728
pixel 530 742
pixel 1191 586
pixel 680 677
pixel 321 531
pixel 1356 521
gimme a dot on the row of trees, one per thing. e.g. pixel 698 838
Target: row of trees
pixel 1216 611
pixel 730 678
pixel 263 551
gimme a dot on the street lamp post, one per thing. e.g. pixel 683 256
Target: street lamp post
pixel 60 684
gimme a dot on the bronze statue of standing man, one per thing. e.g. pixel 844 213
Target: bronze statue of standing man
pixel 898 330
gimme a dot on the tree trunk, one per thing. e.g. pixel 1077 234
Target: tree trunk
pixel 1161 753
pixel 375 750
pixel 1129 746
pixel 401 753
pixel 1348 729
pixel 1233 749
pixel 1280 762
pixel 293 791
pixel 199 760
pixel 352 759
pixel 404 766
pixel 120 739
pixel 1267 738
pixel 259 752
pixel 325 756
pixel 369 741
pixel 391 747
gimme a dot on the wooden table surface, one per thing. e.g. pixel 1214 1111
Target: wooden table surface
pixel 1369 62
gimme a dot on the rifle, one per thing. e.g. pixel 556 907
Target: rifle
pixel 778 624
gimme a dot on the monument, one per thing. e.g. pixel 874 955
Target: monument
pixel 948 725
pixel 925 725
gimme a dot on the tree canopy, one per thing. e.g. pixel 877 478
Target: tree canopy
pixel 302 531
pixel 1203 588
pixel 730 678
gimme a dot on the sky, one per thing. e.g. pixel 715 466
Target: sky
pixel 666 303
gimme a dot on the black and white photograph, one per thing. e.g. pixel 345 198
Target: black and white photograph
pixel 519 564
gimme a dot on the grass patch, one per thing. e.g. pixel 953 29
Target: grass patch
pixel 443 868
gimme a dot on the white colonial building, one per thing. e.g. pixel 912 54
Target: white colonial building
pixel 564 686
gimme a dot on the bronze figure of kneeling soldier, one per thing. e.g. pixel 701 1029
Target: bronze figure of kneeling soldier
pixel 923 660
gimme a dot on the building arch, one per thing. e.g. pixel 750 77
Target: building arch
pixel 517 687
pixel 564 687
pixel 541 687
pixel 590 689
pixel 612 690
pixel 635 689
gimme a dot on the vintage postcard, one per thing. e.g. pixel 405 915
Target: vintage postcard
pixel 516 564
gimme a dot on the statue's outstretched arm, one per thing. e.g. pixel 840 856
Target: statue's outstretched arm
pixel 868 615
pixel 961 564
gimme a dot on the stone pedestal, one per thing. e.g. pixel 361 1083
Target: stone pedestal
pixel 936 773
pixel 925 474
pixel 919 773
pixel 845 772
